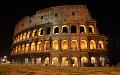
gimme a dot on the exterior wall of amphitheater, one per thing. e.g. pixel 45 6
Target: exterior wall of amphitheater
pixel 60 36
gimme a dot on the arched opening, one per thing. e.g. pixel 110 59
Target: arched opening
pixel 74 61
pixel 24 36
pixel 34 33
pixel 102 61
pixel 93 61
pixel 18 38
pixel 26 61
pixel 23 48
pixel 38 60
pixel 46 61
pixel 47 45
pixel 33 46
pixel 28 35
pixel 27 47
pixel 73 29
pixel 64 29
pixel 19 49
pixel 40 33
pixel 82 29
pixel 39 46
pixel 55 44
pixel 48 30
pixel 64 44
pixel 74 44
pixel 84 61
pixel 91 29
pixel 100 45
pixel 21 37
pixel 64 61
pixel 83 44
pixel 92 44
pixel 16 50
pixel 56 30
pixel 55 61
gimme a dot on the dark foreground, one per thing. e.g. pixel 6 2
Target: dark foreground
pixel 12 69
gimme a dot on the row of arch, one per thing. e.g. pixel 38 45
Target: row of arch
pixel 40 31
pixel 55 45
pixel 65 61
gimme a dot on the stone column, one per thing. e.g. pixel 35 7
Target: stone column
pixel 60 60
pixel 79 61
pixel 33 60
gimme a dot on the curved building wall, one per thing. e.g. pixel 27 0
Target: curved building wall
pixel 61 36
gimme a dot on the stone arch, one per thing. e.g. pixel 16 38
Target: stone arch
pixel 75 61
pixel 19 48
pixel 91 29
pixel 39 46
pixel 21 36
pixel 102 61
pixel 34 33
pixel 55 30
pixel 64 44
pixel 84 61
pixel 38 60
pixel 92 44
pixel 47 61
pixel 74 44
pixel 27 47
pixel 100 45
pixel 82 29
pixel 48 29
pixel 55 61
pixel 28 34
pixel 83 44
pixel 93 61
pixel 40 33
pixel 32 46
pixel 73 29
pixel 16 50
pixel 23 48
pixel 47 45
pixel 64 29
pixel 55 44
pixel 24 36
pixel 26 60
pixel 64 61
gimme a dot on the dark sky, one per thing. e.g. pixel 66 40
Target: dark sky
pixel 106 13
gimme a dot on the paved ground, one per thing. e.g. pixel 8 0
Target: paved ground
pixel 12 69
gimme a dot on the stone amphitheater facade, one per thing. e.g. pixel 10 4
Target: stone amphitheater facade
pixel 63 35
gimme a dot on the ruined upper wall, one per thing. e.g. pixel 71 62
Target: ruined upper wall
pixel 54 15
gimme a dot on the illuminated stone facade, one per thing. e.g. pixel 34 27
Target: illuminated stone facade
pixel 59 36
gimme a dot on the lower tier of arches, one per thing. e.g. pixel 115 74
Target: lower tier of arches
pixel 62 59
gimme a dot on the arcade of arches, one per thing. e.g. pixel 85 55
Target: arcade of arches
pixel 66 61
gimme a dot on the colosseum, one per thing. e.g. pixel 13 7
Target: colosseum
pixel 63 35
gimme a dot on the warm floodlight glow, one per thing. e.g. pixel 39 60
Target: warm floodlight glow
pixel 39 46
pixel 64 44
pixel 55 61
pixel 83 44
pixel 74 44
pixel 55 44
pixel 64 61
pixel 92 44
pixel 33 46
pixel 100 45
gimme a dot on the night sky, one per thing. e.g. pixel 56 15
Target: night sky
pixel 106 13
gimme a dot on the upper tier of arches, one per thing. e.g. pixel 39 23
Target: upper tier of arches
pixel 57 14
